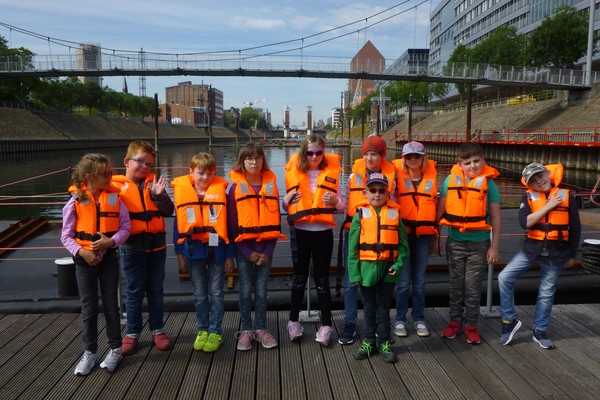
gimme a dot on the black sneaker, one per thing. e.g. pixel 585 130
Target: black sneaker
pixel 540 338
pixel 347 336
pixel 385 349
pixel 509 328
pixel 365 350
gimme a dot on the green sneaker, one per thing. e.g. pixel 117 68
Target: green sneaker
pixel 385 349
pixel 201 339
pixel 213 343
pixel 365 350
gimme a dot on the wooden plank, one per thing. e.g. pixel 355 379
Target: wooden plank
pixel 14 329
pixel 220 373
pixel 32 358
pixel 7 320
pixel 67 346
pixel 22 336
pixel 244 375
pixel 292 370
pixel 316 376
pixel 268 382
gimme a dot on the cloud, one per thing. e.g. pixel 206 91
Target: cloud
pixel 255 23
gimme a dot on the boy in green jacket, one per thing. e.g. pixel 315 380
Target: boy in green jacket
pixel 378 248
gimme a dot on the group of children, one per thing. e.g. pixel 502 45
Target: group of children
pixel 392 225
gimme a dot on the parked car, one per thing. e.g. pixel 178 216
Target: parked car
pixel 524 98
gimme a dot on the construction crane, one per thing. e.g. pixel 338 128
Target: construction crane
pixel 250 103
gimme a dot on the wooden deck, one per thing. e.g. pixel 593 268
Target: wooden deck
pixel 38 353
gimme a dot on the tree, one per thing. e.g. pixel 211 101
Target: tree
pixel 560 40
pixel 503 47
pixel 16 89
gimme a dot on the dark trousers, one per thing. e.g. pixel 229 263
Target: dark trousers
pixel 317 245
pixel 107 274
pixel 376 302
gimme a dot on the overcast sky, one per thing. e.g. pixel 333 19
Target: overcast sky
pixel 184 26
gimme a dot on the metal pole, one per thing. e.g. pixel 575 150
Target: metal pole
pixel 469 98
pixel 590 44
pixel 410 117
pixel 156 127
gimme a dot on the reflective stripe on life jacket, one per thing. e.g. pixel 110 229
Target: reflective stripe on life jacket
pixel 197 219
pixel 357 184
pixel 143 213
pixel 259 217
pixel 418 205
pixel 378 233
pixel 466 201
pixel 310 207
pixel 91 220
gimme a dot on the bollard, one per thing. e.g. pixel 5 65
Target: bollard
pixel 67 282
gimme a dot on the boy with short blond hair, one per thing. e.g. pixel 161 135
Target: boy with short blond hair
pixel 469 204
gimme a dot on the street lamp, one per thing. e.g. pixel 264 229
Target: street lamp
pixel 236 111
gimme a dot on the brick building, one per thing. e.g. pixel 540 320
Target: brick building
pixel 190 104
pixel 368 59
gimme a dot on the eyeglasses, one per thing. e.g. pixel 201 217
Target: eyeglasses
pixel 256 159
pixel 317 153
pixel 142 163
pixel 375 191
pixel 412 156
pixel 108 174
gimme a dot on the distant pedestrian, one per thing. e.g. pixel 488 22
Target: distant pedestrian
pixel 254 223
pixel 312 186
pixel 550 215
pixel 470 206
pixel 417 197
pixel 201 235
pixel 377 251
pixel 95 224
pixel 144 254
pixel 373 160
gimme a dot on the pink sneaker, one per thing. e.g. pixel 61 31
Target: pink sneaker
pixel 245 340
pixel 265 338
pixel 295 330
pixel 323 335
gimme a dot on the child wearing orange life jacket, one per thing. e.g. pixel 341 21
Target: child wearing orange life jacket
pixel 95 224
pixel 200 235
pixel 469 204
pixel 377 251
pixel 312 183
pixel 254 224
pixel 145 252
pixel 551 217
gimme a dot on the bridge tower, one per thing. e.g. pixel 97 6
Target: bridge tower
pixel 286 121
pixel 142 77
pixel 309 121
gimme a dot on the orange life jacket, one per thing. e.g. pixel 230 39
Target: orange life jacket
pixel 466 202
pixel 555 224
pixel 357 184
pixel 378 233
pixel 418 205
pixel 143 213
pixel 91 220
pixel 197 219
pixel 310 207
pixel 259 217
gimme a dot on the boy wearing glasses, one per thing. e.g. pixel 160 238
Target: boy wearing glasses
pixel 469 204
pixel 377 250
pixel 551 218
pixel 145 252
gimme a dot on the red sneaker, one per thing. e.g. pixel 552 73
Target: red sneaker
pixel 472 334
pixel 162 341
pixel 129 345
pixel 452 330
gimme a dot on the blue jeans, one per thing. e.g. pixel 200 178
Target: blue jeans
pixel 350 289
pixel 253 277
pixel 413 275
pixel 208 280
pixel 145 272
pixel 550 272
pixel 107 275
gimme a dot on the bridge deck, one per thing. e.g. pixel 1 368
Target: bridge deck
pixel 38 353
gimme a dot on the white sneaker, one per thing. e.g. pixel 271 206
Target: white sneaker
pixel 111 360
pixel 87 362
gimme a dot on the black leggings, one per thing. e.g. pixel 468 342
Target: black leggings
pixel 319 246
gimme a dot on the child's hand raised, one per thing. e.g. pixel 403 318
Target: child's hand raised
pixel 158 186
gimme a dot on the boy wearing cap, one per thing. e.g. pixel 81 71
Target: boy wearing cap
pixel 551 218
pixel 469 205
pixel 377 251
pixel 373 160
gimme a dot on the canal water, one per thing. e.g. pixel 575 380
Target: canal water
pixel 36 183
